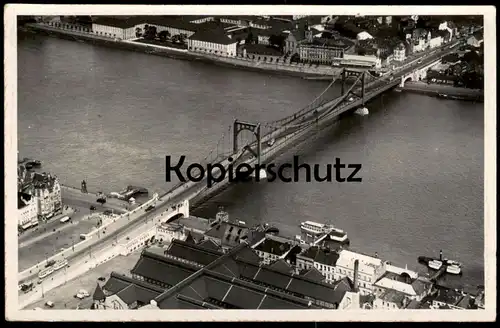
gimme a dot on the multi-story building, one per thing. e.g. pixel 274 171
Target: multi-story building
pixel 400 53
pixel 321 259
pixel 27 210
pixel 436 39
pixel 368 269
pixel 421 39
pixel 390 300
pixel 112 27
pixel 406 282
pixel 311 53
pixel 228 234
pixel 476 39
pixel 272 248
pixel 213 41
pixel 46 190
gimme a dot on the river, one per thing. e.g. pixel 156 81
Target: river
pixel 110 117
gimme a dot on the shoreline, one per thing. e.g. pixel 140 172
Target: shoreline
pixel 304 71
pixel 443 91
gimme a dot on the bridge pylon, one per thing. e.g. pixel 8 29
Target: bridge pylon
pixel 347 74
pixel 255 129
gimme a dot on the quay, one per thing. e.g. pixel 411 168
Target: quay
pixel 444 91
pixel 293 69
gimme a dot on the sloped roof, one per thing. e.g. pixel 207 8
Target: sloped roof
pixel 98 294
pixel 281 266
pixel 216 35
pixel 314 274
pixel 209 244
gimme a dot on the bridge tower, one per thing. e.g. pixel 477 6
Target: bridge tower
pixel 255 129
pixel 349 74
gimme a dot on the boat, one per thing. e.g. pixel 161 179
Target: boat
pixel 435 264
pixel 45 273
pixel 315 228
pixel 272 230
pixel 60 265
pixel 453 269
pixel 338 235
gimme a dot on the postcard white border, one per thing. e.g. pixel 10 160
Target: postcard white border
pixel 10 143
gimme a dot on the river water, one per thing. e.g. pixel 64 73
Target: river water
pixel 111 116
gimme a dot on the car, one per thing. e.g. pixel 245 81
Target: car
pixel 149 208
pixel 101 279
pixel 49 304
pixel 92 208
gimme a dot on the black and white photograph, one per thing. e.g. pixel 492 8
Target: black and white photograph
pixel 307 158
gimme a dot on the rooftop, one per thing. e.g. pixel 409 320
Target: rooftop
pixel 22 199
pixel 239 264
pixel 321 255
pixel 448 296
pixel 393 296
pixel 229 233
pixel 272 246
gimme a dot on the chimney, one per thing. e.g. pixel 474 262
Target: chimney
pixel 356 269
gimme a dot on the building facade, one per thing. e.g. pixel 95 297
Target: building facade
pixel 400 53
pixel 213 42
pixel 319 54
pixel 27 210
pixel 46 191
pixel 436 40
pixel 367 269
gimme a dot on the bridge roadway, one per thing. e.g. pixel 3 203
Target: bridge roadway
pixel 284 137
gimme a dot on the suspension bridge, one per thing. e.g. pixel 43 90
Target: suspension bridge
pixel 269 139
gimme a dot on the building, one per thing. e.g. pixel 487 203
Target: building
pixel 390 300
pixel 363 36
pixel 228 234
pixel 400 53
pixel 321 259
pixel 406 282
pixel 421 39
pixel 195 277
pixel 213 41
pixel 112 27
pixel 450 299
pixel 476 39
pixel 293 40
pixel 46 191
pixel 26 210
pixel 311 53
pixel 360 61
pixel 272 248
pixel 368 269
pixel 436 39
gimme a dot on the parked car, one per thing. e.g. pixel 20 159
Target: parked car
pixel 149 208
pixel 92 208
pixel 49 304
pixel 101 279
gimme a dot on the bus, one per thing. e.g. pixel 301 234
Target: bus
pixel 65 219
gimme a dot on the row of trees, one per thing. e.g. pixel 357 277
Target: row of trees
pixel 150 32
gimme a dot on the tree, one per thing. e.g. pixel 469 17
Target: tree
pixel 250 38
pixel 277 41
pixel 150 32
pixel 138 32
pixel 164 35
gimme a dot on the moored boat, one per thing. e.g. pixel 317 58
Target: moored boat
pixel 338 235
pixel 453 269
pixel 434 264
pixel 315 228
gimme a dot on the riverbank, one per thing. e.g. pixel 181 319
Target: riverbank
pixel 444 91
pixel 292 69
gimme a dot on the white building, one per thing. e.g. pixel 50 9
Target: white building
pixel 212 41
pixel 46 191
pixel 357 60
pixel 444 27
pixel 368 269
pixel 27 210
pixel 111 27
pixel 271 249
pixel 363 36
pixel 436 40
pixel 400 53
pixel 476 39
